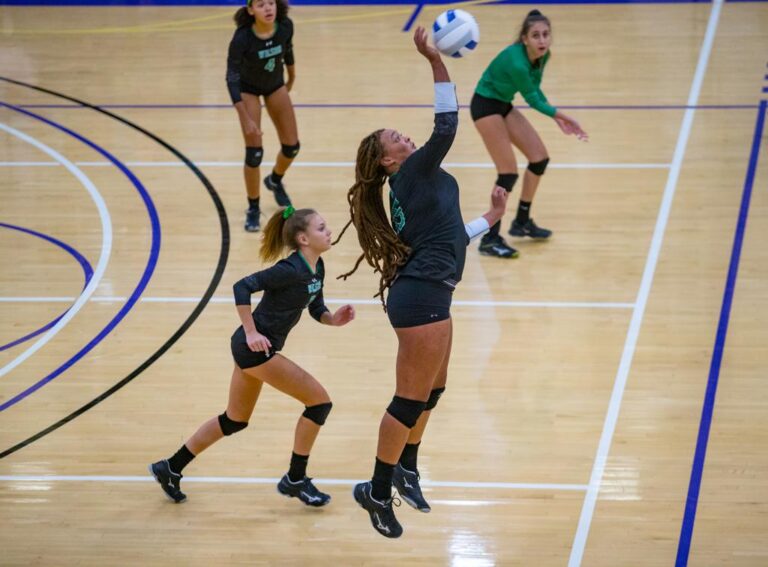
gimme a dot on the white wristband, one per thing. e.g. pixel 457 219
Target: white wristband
pixel 445 98
pixel 476 227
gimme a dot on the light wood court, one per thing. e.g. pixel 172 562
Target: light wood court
pixel 571 422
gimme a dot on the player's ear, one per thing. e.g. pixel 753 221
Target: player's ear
pixel 387 162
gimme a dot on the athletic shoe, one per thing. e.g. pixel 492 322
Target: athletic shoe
pixel 529 229
pixel 252 222
pixel 381 513
pixel 169 481
pixel 304 490
pixel 278 190
pixel 495 246
pixel 407 484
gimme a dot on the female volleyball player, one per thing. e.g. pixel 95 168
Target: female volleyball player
pixel 420 257
pixel 289 286
pixel 262 44
pixel 518 68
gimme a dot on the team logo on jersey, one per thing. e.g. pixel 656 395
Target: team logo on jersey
pixel 313 288
pixel 271 52
pixel 396 211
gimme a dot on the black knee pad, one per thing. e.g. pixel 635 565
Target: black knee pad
pixel 538 167
pixel 318 413
pixel 228 427
pixel 434 397
pixel 253 156
pixel 290 151
pixel 406 411
pixel 507 180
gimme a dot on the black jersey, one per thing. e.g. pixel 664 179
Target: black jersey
pixel 425 209
pixel 259 62
pixel 289 286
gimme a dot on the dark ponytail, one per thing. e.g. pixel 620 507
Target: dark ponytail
pixel 533 17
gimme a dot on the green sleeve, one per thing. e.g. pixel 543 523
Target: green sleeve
pixel 531 91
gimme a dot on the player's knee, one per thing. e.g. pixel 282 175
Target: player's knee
pixel 318 413
pixel 228 427
pixel 507 180
pixel 434 397
pixel 406 411
pixel 538 167
pixel 290 151
pixel 253 156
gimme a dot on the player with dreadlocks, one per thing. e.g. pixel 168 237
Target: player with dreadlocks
pixel 420 257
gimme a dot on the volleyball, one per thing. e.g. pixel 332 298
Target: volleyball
pixel 455 33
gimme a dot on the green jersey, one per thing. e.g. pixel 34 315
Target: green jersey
pixel 511 72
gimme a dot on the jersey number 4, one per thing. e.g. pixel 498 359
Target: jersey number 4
pixel 270 66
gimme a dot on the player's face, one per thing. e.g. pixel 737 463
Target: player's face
pixel 263 10
pixel 317 234
pixel 397 147
pixel 537 40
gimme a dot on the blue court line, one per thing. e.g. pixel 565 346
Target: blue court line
pixel 414 15
pixel 386 105
pixel 87 271
pixel 145 277
pixel 697 470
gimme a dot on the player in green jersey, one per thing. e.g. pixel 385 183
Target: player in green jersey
pixel 517 69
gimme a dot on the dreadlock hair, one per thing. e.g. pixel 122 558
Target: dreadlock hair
pixel 243 18
pixel 382 249
pixel 280 233
pixel 533 17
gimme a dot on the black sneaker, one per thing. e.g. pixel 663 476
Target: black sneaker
pixel 407 484
pixel 495 246
pixel 381 513
pixel 304 490
pixel 252 222
pixel 529 229
pixel 169 481
pixel 279 191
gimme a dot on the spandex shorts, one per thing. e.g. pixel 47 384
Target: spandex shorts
pixel 259 91
pixel 243 355
pixel 481 106
pixel 412 302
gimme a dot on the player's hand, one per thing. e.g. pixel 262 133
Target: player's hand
pixel 569 126
pixel 258 342
pixel 343 315
pixel 289 84
pixel 251 129
pixel 499 197
pixel 420 39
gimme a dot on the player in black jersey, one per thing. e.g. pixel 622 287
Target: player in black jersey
pixel 261 47
pixel 289 286
pixel 420 257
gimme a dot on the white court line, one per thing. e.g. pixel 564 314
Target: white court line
pixel 262 480
pixel 330 301
pixel 106 247
pixel 350 164
pixel 611 417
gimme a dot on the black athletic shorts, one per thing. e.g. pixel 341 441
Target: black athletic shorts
pixel 412 302
pixel 243 355
pixel 259 91
pixel 481 106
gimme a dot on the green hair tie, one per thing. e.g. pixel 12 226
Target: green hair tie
pixel 289 210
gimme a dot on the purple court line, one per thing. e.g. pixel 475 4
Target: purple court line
pixel 87 271
pixel 708 408
pixel 145 277
pixel 373 105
